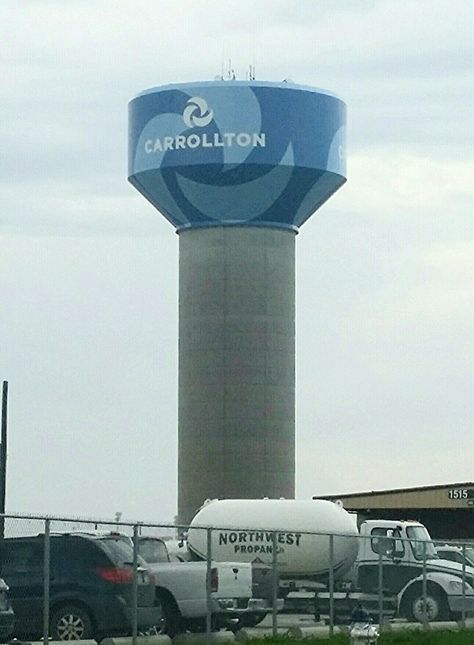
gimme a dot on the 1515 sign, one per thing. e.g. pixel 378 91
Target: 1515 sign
pixel 461 493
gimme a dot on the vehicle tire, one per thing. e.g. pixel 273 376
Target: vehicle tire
pixel 172 622
pixel 71 623
pixel 436 605
pixel 251 619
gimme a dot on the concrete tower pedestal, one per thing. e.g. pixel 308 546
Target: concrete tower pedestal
pixel 236 365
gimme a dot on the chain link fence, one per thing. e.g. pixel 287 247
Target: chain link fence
pixel 77 578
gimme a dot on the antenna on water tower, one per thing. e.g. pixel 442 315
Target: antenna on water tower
pixel 230 72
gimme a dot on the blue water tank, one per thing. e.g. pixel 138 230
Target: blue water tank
pixel 237 153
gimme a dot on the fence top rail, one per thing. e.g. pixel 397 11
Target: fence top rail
pixel 184 527
pixel 469 544
pixel 83 520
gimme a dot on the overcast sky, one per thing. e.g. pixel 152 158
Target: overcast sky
pixel 88 269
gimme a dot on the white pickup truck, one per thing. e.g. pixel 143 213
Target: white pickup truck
pixel 240 592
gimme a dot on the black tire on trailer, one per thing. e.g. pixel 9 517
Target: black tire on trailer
pixel 71 623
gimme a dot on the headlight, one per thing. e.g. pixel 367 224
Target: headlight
pixel 457 585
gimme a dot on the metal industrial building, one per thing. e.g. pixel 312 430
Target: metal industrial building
pixel 236 167
pixel 447 510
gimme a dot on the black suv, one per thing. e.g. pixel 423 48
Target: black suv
pixel 91 581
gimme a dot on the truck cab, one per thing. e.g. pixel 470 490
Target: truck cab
pixel 402 547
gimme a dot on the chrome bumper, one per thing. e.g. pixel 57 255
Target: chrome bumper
pixel 458 604
pixel 253 605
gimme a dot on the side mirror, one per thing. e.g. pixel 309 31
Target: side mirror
pixel 384 545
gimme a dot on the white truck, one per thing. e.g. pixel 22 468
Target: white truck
pixel 243 532
pixel 402 547
pixel 239 591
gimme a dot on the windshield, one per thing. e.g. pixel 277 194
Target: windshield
pixel 470 556
pixel 421 543
pixel 120 550
pixel 153 551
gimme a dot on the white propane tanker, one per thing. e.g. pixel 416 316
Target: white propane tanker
pixel 243 532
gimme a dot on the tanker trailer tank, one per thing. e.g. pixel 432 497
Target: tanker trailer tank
pixel 243 532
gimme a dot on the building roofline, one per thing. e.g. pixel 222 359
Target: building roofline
pixel 392 491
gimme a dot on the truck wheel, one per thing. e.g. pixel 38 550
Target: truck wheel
pixel 71 623
pixel 172 620
pixel 436 606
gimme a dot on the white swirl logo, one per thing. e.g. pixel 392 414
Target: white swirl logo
pixel 197 113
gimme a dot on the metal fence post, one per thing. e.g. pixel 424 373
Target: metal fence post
pixel 331 585
pixel 135 586
pixel 463 611
pixel 274 584
pixel 208 586
pixel 380 586
pixel 46 580
pixel 424 588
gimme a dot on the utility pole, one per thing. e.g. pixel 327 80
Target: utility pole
pixel 3 457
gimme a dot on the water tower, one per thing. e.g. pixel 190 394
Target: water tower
pixel 236 167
